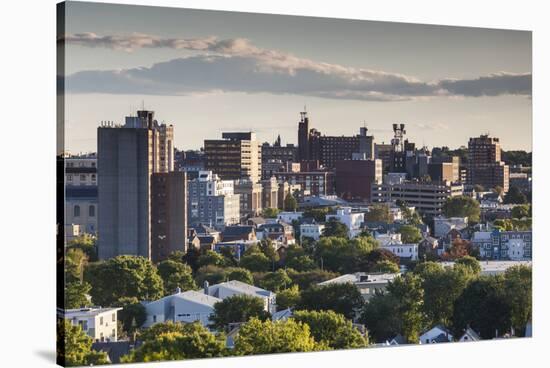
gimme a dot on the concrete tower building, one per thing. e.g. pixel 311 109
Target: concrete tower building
pixel 127 157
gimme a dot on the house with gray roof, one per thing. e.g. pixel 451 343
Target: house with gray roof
pixel 186 307
pixel 234 287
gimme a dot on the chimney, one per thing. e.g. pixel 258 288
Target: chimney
pixel 178 290
pixel 205 285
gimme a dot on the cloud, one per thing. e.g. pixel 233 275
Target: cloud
pixel 236 65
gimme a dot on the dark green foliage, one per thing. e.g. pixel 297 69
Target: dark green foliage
pixel 176 274
pixel 335 228
pixel 515 196
pixel 462 206
pixel 124 277
pixel 75 347
pixel 332 329
pixel 177 341
pixel 237 308
pixel 410 234
pixel 304 280
pixel 340 298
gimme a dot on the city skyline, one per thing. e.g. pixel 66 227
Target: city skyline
pixel 445 83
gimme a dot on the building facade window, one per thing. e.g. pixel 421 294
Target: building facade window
pixel 76 211
pixel 91 211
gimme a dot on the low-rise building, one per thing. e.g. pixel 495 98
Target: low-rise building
pixel 98 323
pixel 239 232
pixel 212 201
pixel 503 245
pixel 311 230
pixel 353 220
pixel 279 232
pixel 426 198
pixel 187 307
pixel 368 284
pixel 234 287
pixel 404 251
pixel 289 216
pixel 442 225
pixel 435 335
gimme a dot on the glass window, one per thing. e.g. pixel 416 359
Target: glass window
pixel 76 211
pixel 91 211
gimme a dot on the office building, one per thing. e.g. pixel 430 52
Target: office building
pixel 212 201
pixel 127 157
pixel 250 197
pixel 169 214
pixel 427 198
pixel 314 182
pixel 313 146
pixel 485 166
pixel 270 193
pixel 236 156
pixel 354 178
pixel 81 195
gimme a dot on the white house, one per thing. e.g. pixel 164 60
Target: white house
pixel 387 238
pixel 288 216
pixel 234 287
pixel 353 220
pixel 98 323
pixel 442 225
pixel 409 251
pixel 313 231
pixel 469 335
pixel 187 307
pixel 368 284
pixel 437 334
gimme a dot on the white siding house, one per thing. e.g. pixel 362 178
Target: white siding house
pixel 98 323
pixel 186 307
pixel 353 220
pixel 234 287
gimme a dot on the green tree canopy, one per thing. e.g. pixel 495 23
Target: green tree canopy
pixel 410 234
pixel 335 228
pixel 483 306
pixel 132 316
pixel 471 263
pixel 211 258
pixel 332 329
pixel 379 213
pixel 462 206
pixel 124 276
pixel 74 347
pixel 340 298
pixel 515 196
pixel 521 211
pixel 76 294
pixel 385 266
pixel 86 243
pixel 177 341
pixel 276 281
pixel 343 255
pixel 174 275
pixel 256 262
pixel 270 212
pixel 290 203
pixel 267 337
pixel 519 295
pixel 317 213
pixel 288 298
pixel 237 308
pixel 306 279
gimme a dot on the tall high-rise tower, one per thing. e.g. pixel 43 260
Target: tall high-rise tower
pixel 303 137
pixel 485 167
pixel 127 157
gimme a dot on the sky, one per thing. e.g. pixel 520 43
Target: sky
pixel 206 72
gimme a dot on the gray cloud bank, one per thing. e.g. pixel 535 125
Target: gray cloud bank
pixel 235 65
